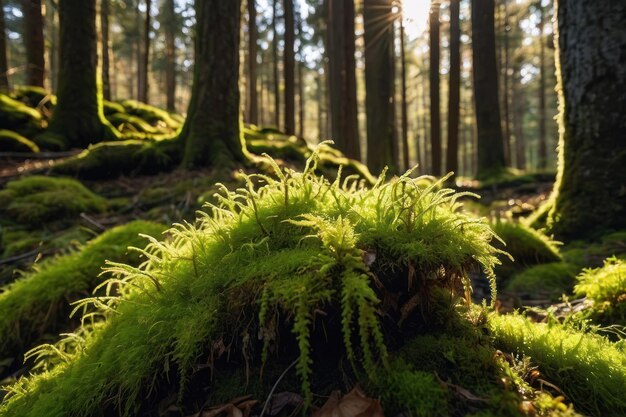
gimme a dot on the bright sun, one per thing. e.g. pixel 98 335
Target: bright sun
pixel 415 14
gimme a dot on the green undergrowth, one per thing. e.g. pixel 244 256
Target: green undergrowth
pixel 37 303
pixel 19 117
pixel 36 200
pixel 292 268
pixel 36 97
pixel 588 368
pixel 545 280
pixel 605 288
pixel 14 142
pixel 151 114
pixel 527 246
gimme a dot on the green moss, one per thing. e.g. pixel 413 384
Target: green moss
pixel 551 279
pixel 293 261
pixel 37 303
pixel 14 142
pixel 589 369
pixel 37 200
pixel 605 287
pixel 35 96
pixel 111 107
pixel 127 122
pixel 18 241
pixel 17 116
pixel 527 247
pixel 150 114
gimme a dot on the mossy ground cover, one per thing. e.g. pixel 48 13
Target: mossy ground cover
pixel 605 289
pixel 37 304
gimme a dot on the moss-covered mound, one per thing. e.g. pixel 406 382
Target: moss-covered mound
pixel 38 303
pixel 590 370
pixel 331 276
pixel 36 200
pixel 605 288
pixel 152 115
pixel 35 97
pixel 14 142
pixel 545 280
pixel 527 247
pixel 19 117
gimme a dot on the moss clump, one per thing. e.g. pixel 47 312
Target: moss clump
pixel 299 260
pixel 37 303
pixel 17 116
pixel 36 200
pixel 589 369
pixel 36 97
pixel 605 287
pixel 150 114
pixel 111 107
pixel 14 142
pixel 527 247
pixel 127 122
pixel 551 280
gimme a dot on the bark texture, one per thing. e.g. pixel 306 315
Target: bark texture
pixel 170 27
pixel 591 71
pixel 105 67
pixel 379 101
pixel 435 111
pixel 488 124
pixel 340 47
pixel 252 101
pixel 4 67
pixel 289 62
pixel 34 42
pixel 454 91
pixel 212 134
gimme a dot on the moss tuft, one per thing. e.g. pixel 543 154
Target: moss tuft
pixel 551 280
pixel 35 97
pixel 17 116
pixel 151 114
pixel 110 107
pixel 129 123
pixel 605 287
pixel 36 200
pixel 14 142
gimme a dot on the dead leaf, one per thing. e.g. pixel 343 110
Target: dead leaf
pixel 353 404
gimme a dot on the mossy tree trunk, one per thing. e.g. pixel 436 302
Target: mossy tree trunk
pixel 435 111
pixel 34 42
pixel 78 116
pixel 379 99
pixel 591 72
pixel 105 49
pixel 4 67
pixel 340 46
pixel 488 124
pixel 211 133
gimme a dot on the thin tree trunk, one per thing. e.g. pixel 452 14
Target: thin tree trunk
pixel 435 115
pixel 289 62
pixel 211 133
pixel 543 146
pixel 53 50
pixel 518 119
pixel 301 99
pixel 145 56
pixel 404 110
pixel 340 47
pixel 34 42
pixel 4 66
pixel 253 101
pixel 169 22
pixel 105 67
pixel 425 127
pixel 454 100
pixel 489 127
pixel 379 103
pixel 275 64
pixel 505 94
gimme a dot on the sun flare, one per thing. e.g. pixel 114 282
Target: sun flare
pixel 415 14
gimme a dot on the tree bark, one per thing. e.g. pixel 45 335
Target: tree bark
pixel 435 115
pixel 454 90
pixel 340 46
pixel 78 116
pixel 4 66
pixel 170 27
pixel 505 93
pixel 253 101
pixel 543 145
pixel 212 134
pixel 275 64
pixel 591 75
pixel 289 62
pixel 145 57
pixel 404 110
pixel 34 42
pixel 105 67
pixel 489 128
pixel 379 100
pixel 518 118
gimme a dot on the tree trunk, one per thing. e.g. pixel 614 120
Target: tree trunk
pixel 4 66
pixel 53 50
pixel 379 101
pixel 454 90
pixel 289 62
pixel 518 118
pixel 275 64
pixel 435 115
pixel 211 133
pixel 488 124
pixel 404 110
pixel 340 46
pixel 105 67
pixel 78 118
pixel 505 93
pixel 142 94
pixel 426 153
pixel 170 28
pixel 34 42
pixel 591 73
pixel 253 101
pixel 543 145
